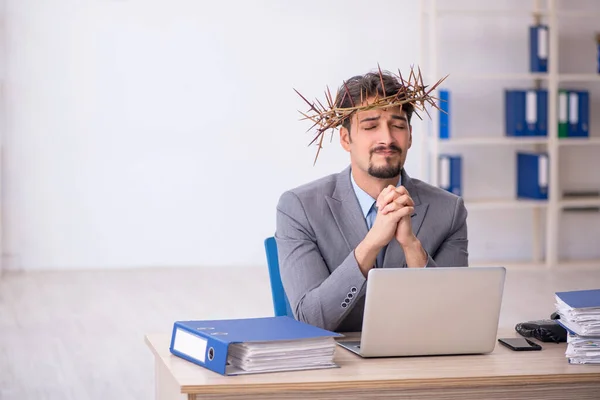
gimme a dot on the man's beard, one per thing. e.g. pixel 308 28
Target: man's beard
pixel 387 171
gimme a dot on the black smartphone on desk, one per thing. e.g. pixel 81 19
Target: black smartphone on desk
pixel 520 344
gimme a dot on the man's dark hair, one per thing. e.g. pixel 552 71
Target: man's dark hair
pixel 364 86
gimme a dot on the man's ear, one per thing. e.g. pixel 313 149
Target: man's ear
pixel 345 138
pixel 409 136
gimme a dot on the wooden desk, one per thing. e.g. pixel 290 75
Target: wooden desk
pixel 503 374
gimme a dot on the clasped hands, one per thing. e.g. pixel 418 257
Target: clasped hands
pixel 395 208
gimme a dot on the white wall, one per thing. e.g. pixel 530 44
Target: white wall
pixel 150 133
pixel 161 133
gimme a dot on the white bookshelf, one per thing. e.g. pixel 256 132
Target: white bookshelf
pixel 545 213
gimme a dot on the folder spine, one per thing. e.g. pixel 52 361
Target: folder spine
pixel 538 48
pixel 515 112
pixel 201 347
pixel 450 173
pixel 563 113
pixel 526 112
pixel 584 114
pixel 573 125
pixel 510 116
pixel 531 112
pixel 532 175
pixel 598 51
pixel 542 112
pixel 444 114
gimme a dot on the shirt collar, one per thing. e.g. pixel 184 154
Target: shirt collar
pixel 364 199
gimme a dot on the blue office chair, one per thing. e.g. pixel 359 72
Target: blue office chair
pixel 280 300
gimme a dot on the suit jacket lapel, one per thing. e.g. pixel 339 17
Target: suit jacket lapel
pixel 346 211
pixel 394 256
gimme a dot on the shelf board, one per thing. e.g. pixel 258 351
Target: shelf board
pixel 525 76
pixel 488 12
pixel 524 12
pixel 578 13
pixel 502 76
pixel 579 77
pixel 516 141
pixel 493 204
pixel 500 140
pixel 582 141
pixel 580 202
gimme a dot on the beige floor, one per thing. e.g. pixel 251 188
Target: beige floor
pixel 79 335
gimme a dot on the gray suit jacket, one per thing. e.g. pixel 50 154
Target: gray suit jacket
pixel 320 224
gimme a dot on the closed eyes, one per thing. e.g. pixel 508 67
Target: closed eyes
pixel 368 128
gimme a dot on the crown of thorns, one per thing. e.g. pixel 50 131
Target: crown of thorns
pixel 331 116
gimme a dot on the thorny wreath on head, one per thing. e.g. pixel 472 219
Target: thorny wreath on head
pixel 331 116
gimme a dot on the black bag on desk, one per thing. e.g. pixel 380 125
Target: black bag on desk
pixel 545 330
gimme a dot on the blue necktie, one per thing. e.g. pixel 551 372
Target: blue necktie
pixel 370 220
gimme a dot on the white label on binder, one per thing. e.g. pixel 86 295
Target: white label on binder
pixel 190 345
pixel 444 172
pixel 543 170
pixel 531 107
pixel 562 107
pixel 542 42
pixel 573 108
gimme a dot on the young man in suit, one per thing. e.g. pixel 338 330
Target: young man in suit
pixel 332 231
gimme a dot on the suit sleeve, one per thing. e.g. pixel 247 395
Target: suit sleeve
pixel 453 250
pixel 317 296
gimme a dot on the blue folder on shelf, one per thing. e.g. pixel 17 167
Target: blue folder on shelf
pixel 525 112
pixel 583 129
pixel 574 113
pixel 532 175
pixel 444 114
pixel 253 345
pixel 514 112
pixel 538 48
pixel 450 173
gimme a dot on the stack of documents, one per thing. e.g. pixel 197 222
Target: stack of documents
pixel 254 345
pixel 583 350
pixel 284 355
pixel 580 315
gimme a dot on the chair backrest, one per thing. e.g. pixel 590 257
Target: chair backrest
pixel 281 304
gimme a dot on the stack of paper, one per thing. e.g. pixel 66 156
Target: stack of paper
pixel 283 355
pixel 580 315
pixel 254 345
pixel 583 350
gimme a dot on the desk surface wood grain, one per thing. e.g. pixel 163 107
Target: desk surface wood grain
pixel 502 367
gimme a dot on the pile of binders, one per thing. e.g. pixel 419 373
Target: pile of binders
pixel 573 113
pixel 526 113
pixel 254 345
pixel 579 313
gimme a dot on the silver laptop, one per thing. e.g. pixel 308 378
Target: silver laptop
pixel 430 311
